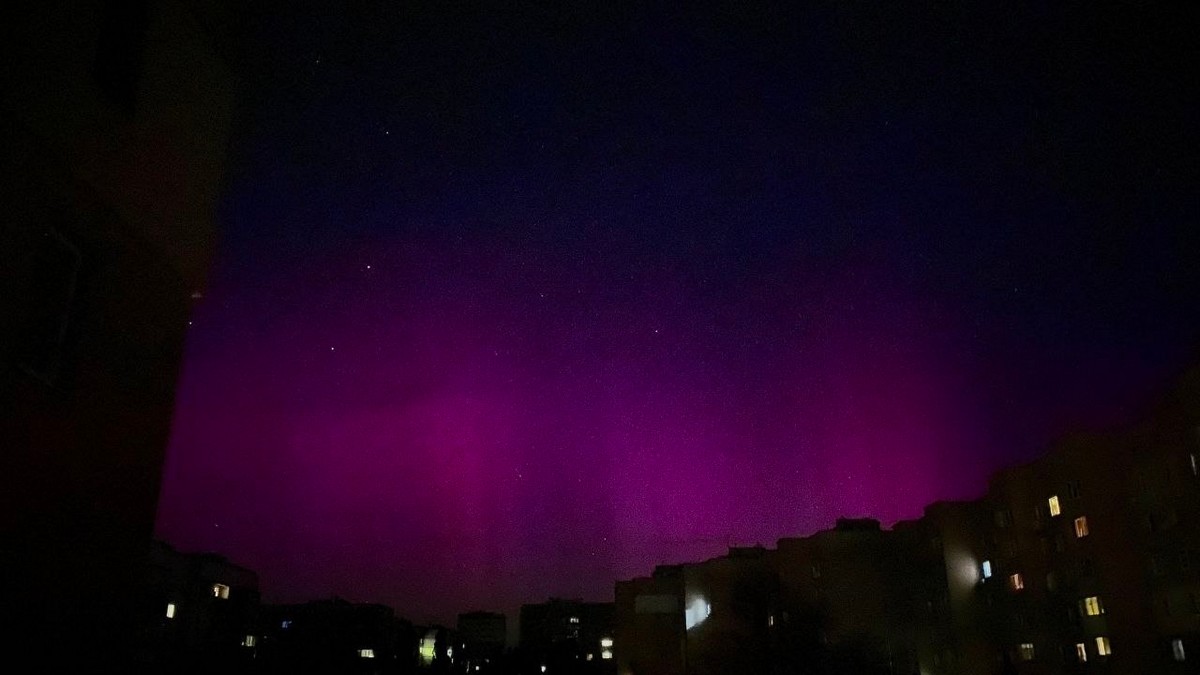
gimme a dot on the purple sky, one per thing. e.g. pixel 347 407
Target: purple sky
pixel 501 314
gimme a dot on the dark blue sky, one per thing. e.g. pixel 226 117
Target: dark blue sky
pixel 552 296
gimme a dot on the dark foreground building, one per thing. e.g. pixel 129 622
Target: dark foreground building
pixel 1083 561
pixel 567 636
pixel 335 636
pixel 482 637
pixel 114 119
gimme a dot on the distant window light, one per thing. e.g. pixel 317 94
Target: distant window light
pixel 696 613
pixel 1081 652
pixel 1195 461
pixel 606 654
pixel 285 624
pixel 1092 606
pixel 249 641
pixel 1016 581
pixel 590 656
pixel 220 591
pixel 1055 509
pixel 543 668
pixel 606 642
pixel 986 567
pixel 1103 648
pixel 170 610
pixel 450 652
pixel 1081 527
pixel 573 619
pixel 1026 651
pixel 770 620
pixel 1177 646
pixel 366 653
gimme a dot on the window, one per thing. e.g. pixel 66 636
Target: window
pixel 606 654
pixel 220 591
pixel 696 613
pixel 1177 644
pixel 1016 582
pixel 1081 652
pixel 249 641
pixel 607 642
pixel 1081 527
pixel 1103 648
pixel 1060 544
pixel 986 568
pixel 1055 509
pixel 1073 490
pixel 1051 581
pixel 170 610
pixel 1003 518
pixel 770 620
pixel 1195 461
pixel 285 624
pixel 816 571
pixel 1092 606
pixel 1026 651
pixel 573 620
pixel 368 653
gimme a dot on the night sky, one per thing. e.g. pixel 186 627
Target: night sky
pixel 515 305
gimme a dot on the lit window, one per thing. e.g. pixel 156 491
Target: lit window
pixel 771 620
pixel 543 669
pixel 1092 606
pixel 1081 528
pixel 248 641
pixel 1016 582
pixel 1177 645
pixel 987 569
pixel 1102 646
pixel 220 591
pixel 1055 509
pixel 285 624
pixel 696 613
pixel 590 656
pixel 606 654
pixel 1195 472
pixel 606 642
pixel 450 652
pixel 170 610
pixel 573 619
pixel 1026 650
pixel 1081 652
pixel 366 653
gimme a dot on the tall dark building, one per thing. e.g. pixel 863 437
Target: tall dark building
pixel 567 636
pixel 482 637
pixel 114 119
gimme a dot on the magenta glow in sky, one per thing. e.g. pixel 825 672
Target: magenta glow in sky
pixel 513 305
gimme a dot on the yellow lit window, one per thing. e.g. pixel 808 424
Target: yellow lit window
pixel 1081 652
pixel 1081 528
pixel 1102 646
pixel 1016 582
pixel 1092 606
pixel 249 641
pixel 220 591
pixel 1055 509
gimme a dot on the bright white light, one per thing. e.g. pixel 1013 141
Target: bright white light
pixel 220 591
pixel 1177 645
pixel 449 652
pixel 170 610
pixel 366 653
pixel 606 654
pixel 987 569
pixel 543 669
pixel 605 642
pixel 696 613
pixel 249 641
